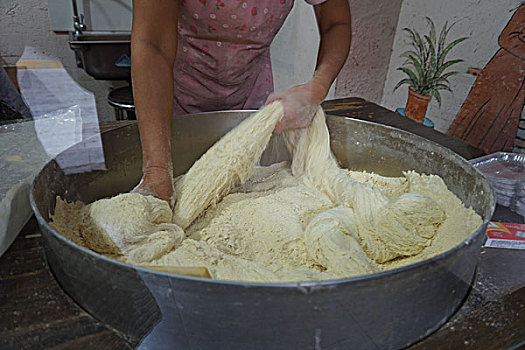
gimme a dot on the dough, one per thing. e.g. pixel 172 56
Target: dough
pixel 138 227
pixel 386 228
pixel 330 243
pixel 308 220
pixel 229 162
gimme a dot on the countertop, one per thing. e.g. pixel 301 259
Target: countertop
pixel 36 313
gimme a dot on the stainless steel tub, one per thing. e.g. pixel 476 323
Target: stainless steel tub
pixel 157 310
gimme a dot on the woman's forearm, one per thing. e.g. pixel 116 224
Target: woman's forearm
pixel 153 94
pixel 153 51
pixel 334 21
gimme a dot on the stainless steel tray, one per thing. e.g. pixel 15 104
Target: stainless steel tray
pixel 506 167
pixel 506 174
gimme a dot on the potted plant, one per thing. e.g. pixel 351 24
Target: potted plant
pixel 426 68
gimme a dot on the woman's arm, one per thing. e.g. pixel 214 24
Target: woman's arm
pixel 153 50
pixel 334 20
pixel 301 101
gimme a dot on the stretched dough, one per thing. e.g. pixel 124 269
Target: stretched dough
pixel 227 163
pixel 308 220
pixel 387 229
pixel 330 243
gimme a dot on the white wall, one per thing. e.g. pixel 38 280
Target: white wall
pixel 373 30
pixel 481 20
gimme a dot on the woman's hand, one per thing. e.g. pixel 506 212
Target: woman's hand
pixel 157 182
pixel 299 103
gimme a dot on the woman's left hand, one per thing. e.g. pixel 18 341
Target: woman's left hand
pixel 299 103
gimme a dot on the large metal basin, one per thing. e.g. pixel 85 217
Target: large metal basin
pixel 157 310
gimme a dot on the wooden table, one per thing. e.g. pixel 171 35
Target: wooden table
pixel 35 312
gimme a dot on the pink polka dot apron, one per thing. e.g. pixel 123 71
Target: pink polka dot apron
pixel 223 54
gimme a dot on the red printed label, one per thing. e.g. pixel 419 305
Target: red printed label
pixel 505 235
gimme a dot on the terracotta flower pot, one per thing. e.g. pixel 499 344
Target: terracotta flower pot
pixel 417 105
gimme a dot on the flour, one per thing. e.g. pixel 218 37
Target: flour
pixel 308 220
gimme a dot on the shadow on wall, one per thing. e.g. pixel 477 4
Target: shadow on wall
pixel 490 116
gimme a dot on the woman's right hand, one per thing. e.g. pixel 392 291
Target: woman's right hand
pixel 157 182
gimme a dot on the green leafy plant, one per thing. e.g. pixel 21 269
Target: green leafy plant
pixel 425 64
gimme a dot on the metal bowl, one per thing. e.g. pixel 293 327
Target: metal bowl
pixel 158 310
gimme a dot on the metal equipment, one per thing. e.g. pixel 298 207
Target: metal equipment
pixel 105 54
pixel 387 310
